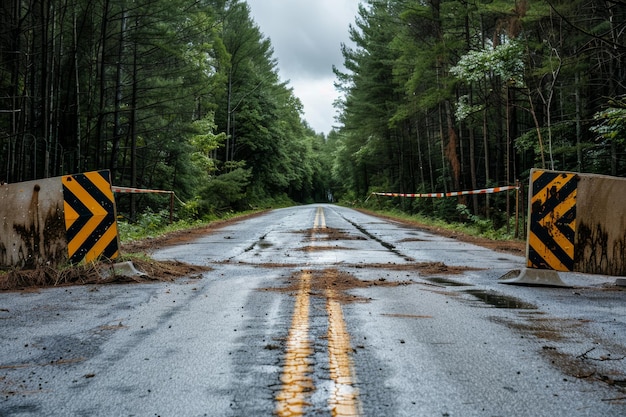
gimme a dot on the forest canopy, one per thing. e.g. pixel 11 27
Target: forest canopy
pixel 437 95
pixel 450 95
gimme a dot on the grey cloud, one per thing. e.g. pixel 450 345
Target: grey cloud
pixel 307 36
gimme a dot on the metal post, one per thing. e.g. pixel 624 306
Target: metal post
pixel 517 192
pixel 171 207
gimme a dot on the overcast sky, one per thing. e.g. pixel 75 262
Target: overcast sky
pixel 307 36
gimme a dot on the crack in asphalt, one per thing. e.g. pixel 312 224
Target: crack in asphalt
pixel 390 247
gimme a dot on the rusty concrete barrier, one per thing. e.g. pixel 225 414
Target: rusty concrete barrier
pixel 58 220
pixel 33 225
pixel 577 223
pixel 600 243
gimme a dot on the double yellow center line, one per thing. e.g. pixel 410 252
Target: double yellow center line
pixel 320 219
pixel 296 378
pixel 344 397
pixel 297 382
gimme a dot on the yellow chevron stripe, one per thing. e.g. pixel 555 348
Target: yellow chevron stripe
pixel 70 215
pixel 84 234
pixel 549 223
pixel 102 243
pixel 85 237
pixel 536 174
pixel 545 252
pixel 87 199
pixel 556 240
pixel 102 184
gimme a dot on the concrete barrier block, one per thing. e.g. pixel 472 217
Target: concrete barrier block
pixel 600 242
pixel 32 232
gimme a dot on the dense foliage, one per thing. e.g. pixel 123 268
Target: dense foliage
pixel 438 95
pixel 447 95
pixel 167 94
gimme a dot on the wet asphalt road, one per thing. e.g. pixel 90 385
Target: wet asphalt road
pixel 319 311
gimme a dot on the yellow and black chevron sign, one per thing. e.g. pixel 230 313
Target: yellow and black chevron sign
pixel 90 223
pixel 552 220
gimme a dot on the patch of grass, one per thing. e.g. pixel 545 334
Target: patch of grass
pixel 480 228
pixel 152 225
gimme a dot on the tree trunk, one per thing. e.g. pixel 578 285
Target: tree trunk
pixel 133 132
pixel 487 170
pixel 117 125
pixel 99 133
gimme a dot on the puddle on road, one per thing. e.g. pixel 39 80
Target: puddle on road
pixel 423 268
pixel 447 282
pixel 500 300
pixel 329 233
pixel 322 248
pixel 550 329
pixel 412 239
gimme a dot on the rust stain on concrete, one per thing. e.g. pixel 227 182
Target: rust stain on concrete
pixel 600 243
pixel 32 232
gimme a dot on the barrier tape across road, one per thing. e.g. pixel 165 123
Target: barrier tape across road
pixel 130 190
pixel 452 194
pixel 117 189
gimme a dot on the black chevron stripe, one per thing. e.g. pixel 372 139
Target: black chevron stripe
pixel 544 236
pixel 547 197
pixel 536 261
pixel 111 249
pixel 557 198
pixel 84 214
pixel 94 191
pixel 564 224
pixel 542 181
pixel 94 237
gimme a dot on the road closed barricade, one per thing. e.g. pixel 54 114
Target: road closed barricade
pixel 577 223
pixel 55 220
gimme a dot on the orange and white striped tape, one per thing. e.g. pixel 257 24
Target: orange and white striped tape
pixel 452 194
pixel 117 189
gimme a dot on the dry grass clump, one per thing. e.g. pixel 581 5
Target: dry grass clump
pixel 95 273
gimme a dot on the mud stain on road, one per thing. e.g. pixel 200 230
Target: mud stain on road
pixel 339 281
pixel 424 268
pixel 604 362
pixel 313 248
pixel 297 381
pixel 545 328
pixel 328 233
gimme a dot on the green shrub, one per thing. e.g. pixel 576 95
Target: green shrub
pixel 225 192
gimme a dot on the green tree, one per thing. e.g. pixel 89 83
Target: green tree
pixel 527 77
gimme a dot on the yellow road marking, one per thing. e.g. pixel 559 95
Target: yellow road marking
pixel 344 397
pixel 320 219
pixel 296 379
